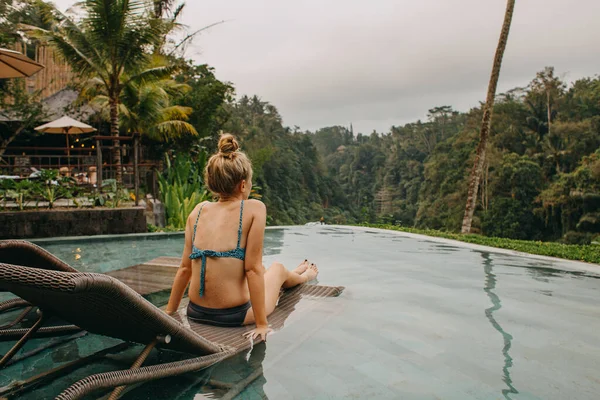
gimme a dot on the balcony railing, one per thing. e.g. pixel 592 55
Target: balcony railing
pixel 87 166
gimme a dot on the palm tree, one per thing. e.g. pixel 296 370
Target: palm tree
pixel 477 169
pixel 113 37
pixel 551 88
pixel 145 107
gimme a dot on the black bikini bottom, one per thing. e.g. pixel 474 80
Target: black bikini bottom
pixel 228 317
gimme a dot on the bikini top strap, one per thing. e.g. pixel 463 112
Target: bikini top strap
pixel 196 224
pixel 240 228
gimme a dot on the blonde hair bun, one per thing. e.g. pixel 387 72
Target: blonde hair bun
pixel 228 145
pixel 227 167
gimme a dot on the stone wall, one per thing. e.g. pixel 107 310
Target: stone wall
pixel 74 222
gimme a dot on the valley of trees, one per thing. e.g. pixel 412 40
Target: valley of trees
pixel 540 181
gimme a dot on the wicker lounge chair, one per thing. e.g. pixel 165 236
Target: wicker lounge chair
pixel 103 305
pixel 21 252
pixel 27 254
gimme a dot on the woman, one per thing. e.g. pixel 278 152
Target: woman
pixel 222 256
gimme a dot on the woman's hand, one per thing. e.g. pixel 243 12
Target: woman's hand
pixel 259 331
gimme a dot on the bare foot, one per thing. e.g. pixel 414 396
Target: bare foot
pixel 302 267
pixel 311 272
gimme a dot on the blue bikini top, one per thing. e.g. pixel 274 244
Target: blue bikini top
pixel 238 252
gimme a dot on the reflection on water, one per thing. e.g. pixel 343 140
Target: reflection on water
pixel 490 285
pixel 545 272
pixel 250 386
pixel 273 242
pixel 447 248
pixel 241 375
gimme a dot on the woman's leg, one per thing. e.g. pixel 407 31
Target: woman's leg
pixel 276 277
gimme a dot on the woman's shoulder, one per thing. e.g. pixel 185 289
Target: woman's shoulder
pixel 255 206
pixel 199 206
pixel 194 214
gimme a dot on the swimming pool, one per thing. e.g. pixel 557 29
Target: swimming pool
pixel 419 319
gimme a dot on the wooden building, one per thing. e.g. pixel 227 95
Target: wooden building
pixel 56 76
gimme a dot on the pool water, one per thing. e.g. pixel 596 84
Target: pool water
pixel 113 253
pixel 419 319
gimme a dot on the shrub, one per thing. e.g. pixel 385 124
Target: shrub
pixel 182 187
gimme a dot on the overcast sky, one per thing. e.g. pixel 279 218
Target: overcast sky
pixel 380 63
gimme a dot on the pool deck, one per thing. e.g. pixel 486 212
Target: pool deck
pixel 157 276
pixel 150 277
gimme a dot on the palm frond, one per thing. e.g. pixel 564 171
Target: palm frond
pixel 173 129
pixel 79 61
pixel 174 88
pixel 192 35
pixel 92 87
pixel 152 74
pixel 101 103
pixel 177 113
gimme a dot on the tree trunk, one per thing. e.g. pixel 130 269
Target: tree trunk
pixel 9 140
pixel 487 119
pixel 484 187
pixel 549 110
pixel 114 132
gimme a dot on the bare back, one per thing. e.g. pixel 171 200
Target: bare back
pixel 225 282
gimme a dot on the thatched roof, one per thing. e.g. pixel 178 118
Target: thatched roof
pixel 59 104
pixel 63 103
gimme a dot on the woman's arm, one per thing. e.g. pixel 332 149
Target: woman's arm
pixel 255 271
pixel 184 272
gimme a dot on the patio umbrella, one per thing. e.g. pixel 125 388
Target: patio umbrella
pixel 66 126
pixel 16 65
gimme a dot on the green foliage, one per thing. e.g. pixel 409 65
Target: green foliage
pixel 52 187
pixel 114 194
pixel 3 189
pixel 206 97
pixel 572 201
pixel 19 191
pixel 178 206
pixel 97 199
pixel 538 182
pixel 182 187
pixel 19 14
pixel 113 35
pixel 287 167
pixel 16 103
pixel 581 238
pixel 203 101
pixel 6 25
pixel 517 182
pixel 146 103
pixel 154 229
pixel 587 253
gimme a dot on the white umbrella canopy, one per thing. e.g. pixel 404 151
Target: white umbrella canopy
pixel 66 126
pixel 16 65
